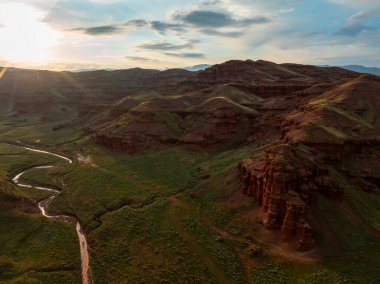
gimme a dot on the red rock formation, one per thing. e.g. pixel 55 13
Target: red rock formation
pixel 284 183
pixel 306 240
pixel 263 71
pixel 116 143
pixel 226 105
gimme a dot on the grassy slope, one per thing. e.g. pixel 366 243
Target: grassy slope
pixel 138 232
pixel 349 248
pixel 33 129
pixel 33 249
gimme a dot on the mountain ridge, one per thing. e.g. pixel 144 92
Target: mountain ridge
pixel 244 163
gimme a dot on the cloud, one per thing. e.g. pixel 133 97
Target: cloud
pixel 212 32
pixel 104 1
pixel 136 23
pixel 167 45
pixel 358 4
pixel 212 19
pixel 320 32
pixel 101 30
pixel 206 19
pixel 185 55
pixel 286 11
pixel 356 23
pixel 362 15
pixel 209 3
pixel 138 58
pixel 69 14
pixel 162 27
pixel 158 26
pixel 353 30
pixel 254 20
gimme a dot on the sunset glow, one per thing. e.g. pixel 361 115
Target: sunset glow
pixel 118 34
pixel 24 36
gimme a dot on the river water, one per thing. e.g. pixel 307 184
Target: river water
pixel 43 206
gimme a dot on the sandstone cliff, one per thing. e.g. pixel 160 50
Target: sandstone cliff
pixel 332 127
pixel 284 183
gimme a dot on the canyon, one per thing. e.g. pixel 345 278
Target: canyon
pixel 270 149
pixel 310 119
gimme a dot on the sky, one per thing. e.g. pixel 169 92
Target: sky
pixel 160 34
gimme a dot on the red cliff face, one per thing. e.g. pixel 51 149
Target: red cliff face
pixel 116 143
pixel 284 184
pixel 223 106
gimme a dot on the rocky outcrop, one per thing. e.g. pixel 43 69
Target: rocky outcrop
pixel 194 120
pixel 265 78
pixel 265 71
pixel 229 104
pixel 329 139
pixel 284 183
pixel 115 143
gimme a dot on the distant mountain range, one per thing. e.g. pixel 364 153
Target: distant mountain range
pixel 362 69
pixel 197 67
pixel 355 68
pixel 200 67
pixel 358 69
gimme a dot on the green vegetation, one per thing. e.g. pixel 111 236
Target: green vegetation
pixel 172 121
pixel 223 101
pixel 33 129
pixel 168 216
pixel 235 95
pixel 349 115
pixel 33 249
pixel 112 181
pixel 36 249
pixel 286 272
pixel 347 244
pixel 142 245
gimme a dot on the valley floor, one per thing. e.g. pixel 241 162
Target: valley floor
pixel 170 216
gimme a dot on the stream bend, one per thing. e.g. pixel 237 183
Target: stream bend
pixel 43 206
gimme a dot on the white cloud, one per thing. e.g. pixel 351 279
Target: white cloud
pixel 348 34
pixel 361 4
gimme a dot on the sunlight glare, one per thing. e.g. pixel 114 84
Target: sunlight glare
pixel 24 37
pixel 2 72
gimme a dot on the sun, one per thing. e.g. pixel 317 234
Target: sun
pixel 24 37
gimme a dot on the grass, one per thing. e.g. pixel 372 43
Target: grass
pixel 229 159
pixel 34 249
pixel 349 115
pixel 279 272
pixel 49 177
pixel 33 130
pixel 228 102
pixel 367 205
pixel 131 183
pixel 220 257
pixel 114 180
pixel 171 120
pixel 15 159
pixel 334 132
pixel 32 245
pixel 347 247
pixel 138 232
pixel 141 245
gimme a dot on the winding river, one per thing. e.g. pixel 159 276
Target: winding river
pixel 43 206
